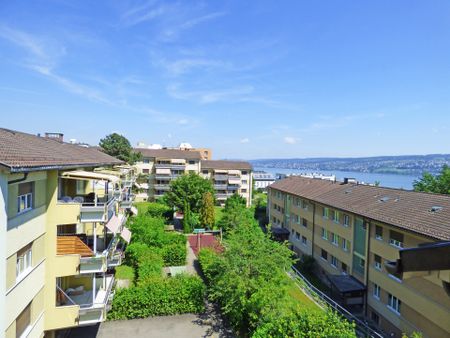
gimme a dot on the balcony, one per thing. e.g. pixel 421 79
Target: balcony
pixel 91 294
pixel 127 201
pixel 100 210
pixel 220 177
pixel 232 187
pixel 220 186
pixel 176 166
pixel 167 177
pixel 127 183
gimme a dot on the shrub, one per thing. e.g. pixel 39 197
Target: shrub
pixel 134 252
pixel 164 296
pixel 125 272
pixel 209 263
pixel 174 254
pixel 149 266
pixel 159 210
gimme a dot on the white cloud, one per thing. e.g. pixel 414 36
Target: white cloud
pixel 245 140
pixel 290 140
pixel 233 94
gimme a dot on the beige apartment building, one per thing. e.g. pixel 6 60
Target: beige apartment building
pixel 165 165
pixel 353 231
pixel 229 177
pixel 63 233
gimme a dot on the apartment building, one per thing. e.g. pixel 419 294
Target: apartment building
pixel 63 232
pixel 353 232
pixel 229 177
pixel 263 179
pixel 165 165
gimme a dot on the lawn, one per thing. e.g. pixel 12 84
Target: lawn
pixel 218 213
pixel 142 207
pixel 300 296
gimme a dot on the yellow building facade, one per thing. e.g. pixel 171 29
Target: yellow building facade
pixel 354 230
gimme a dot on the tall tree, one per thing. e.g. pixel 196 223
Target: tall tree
pixel 439 184
pixel 188 188
pixel 118 146
pixel 207 210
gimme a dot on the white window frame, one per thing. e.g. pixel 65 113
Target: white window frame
pixel 304 241
pixel 394 304
pixel 336 219
pixel 346 221
pixel 334 262
pixel 396 243
pixel 344 244
pixel 325 234
pixel 325 213
pixel 27 200
pixel 378 237
pixel 334 239
pixel 376 291
pixel 24 263
pixel 377 264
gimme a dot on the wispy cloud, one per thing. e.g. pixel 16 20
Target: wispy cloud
pixel 142 13
pixel 182 66
pixel 290 140
pixel 210 96
pixel 245 140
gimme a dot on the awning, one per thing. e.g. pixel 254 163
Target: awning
pixel 126 234
pixel 163 171
pixel 113 224
pixel 234 172
pixel 176 160
pixel 134 210
pixel 89 175
pixel 234 180
pixel 220 171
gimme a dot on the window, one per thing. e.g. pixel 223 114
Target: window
pixel 297 219
pixel 243 190
pixel 377 262
pixel 375 317
pixel 346 220
pixel 344 268
pixel 334 261
pixel 297 236
pixel 335 239
pixel 336 216
pixel 191 162
pixel 146 161
pixel 305 222
pixel 324 254
pixel 378 232
pixel 23 321
pixel 25 197
pixel 145 171
pixel 23 262
pixel 325 213
pixel 376 291
pixel 304 205
pixel 244 172
pixel 396 239
pixel 344 244
pixel 304 240
pixel 205 172
pixel 394 303
pixel 324 234
pixel 244 181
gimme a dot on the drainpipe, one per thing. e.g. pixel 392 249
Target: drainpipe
pixel 93 289
pixel 367 264
pixel 313 229
pixel 95 237
pixel 25 176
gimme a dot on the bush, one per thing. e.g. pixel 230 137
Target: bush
pixel 125 272
pixel 161 297
pixel 135 252
pixel 159 210
pixel 149 266
pixel 209 263
pixel 174 254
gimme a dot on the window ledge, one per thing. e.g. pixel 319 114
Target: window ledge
pixel 394 278
pixel 376 297
pixel 24 276
pixel 393 310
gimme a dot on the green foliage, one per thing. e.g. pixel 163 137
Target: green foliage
pixel 306 324
pixel 209 263
pixel 439 184
pixel 149 266
pixel 188 189
pixel 159 210
pixel 118 146
pixel 159 297
pixel 413 335
pixel 174 254
pixel 307 263
pixel 235 201
pixel 124 272
pixel 207 211
pixel 236 214
pixel 134 252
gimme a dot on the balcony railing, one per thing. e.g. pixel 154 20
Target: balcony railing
pixel 233 187
pixel 166 177
pixel 161 186
pixel 220 177
pixel 93 264
pixel 220 186
pixel 127 201
pixel 170 166
pixel 98 211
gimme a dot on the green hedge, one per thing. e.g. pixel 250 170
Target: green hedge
pixel 209 263
pixel 149 267
pixel 163 296
pixel 125 272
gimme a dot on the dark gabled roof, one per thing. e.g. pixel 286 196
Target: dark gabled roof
pixel 169 153
pixel 21 152
pixel 423 213
pixel 228 165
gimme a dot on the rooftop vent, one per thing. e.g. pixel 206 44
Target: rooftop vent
pixel 436 208
pixel 55 136
pixel 384 199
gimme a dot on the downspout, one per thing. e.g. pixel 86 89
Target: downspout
pixel 313 229
pixel 367 264
pixel 25 176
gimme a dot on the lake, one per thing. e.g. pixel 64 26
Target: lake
pixel 386 180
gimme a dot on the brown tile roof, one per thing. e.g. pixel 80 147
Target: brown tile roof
pixel 22 152
pixel 404 209
pixel 231 165
pixel 170 153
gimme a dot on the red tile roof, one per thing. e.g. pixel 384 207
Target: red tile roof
pixel 404 209
pixel 21 152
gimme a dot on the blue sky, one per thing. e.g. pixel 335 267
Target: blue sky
pixel 250 79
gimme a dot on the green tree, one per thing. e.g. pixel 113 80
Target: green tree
pixel 118 146
pixel 235 214
pixel 187 218
pixel 439 184
pixel 189 189
pixel 207 210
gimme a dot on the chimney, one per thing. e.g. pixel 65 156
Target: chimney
pixel 55 136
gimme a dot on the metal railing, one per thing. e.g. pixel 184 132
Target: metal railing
pixel 362 328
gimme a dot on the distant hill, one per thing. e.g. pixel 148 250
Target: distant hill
pixel 406 165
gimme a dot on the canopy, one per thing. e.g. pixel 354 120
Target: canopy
pixel 176 160
pixel 134 210
pixel 89 175
pixel 234 172
pixel 126 234
pixel 163 171
pixel 220 171
pixel 113 224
